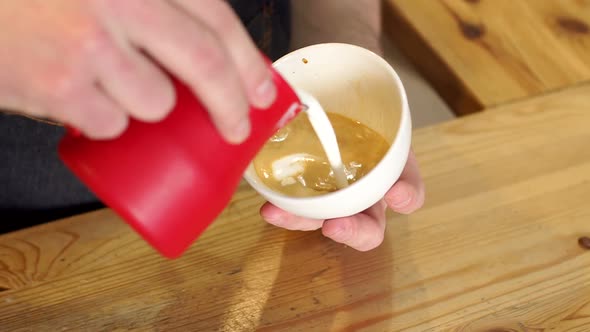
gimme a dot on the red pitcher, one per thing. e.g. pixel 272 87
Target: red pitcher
pixel 170 180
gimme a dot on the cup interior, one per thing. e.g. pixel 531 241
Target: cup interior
pixel 347 80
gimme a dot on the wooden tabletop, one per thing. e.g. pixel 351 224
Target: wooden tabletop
pixel 484 53
pixel 496 248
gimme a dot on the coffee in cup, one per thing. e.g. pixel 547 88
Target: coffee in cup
pixel 293 161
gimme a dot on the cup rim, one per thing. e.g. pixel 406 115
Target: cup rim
pixel 404 119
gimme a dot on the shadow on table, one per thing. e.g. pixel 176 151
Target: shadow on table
pixel 325 286
pixel 295 281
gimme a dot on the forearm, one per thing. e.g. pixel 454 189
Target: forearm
pixel 348 21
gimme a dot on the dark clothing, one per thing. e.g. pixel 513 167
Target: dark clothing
pixel 268 22
pixel 36 187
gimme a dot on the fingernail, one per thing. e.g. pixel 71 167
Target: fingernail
pixel 241 132
pixel 266 94
pixel 400 199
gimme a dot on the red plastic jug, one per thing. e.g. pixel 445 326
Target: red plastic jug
pixel 170 180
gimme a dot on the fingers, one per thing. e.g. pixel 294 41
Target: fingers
pixel 192 52
pixel 364 231
pixel 407 194
pixel 94 113
pixel 141 88
pixel 253 71
pixel 275 216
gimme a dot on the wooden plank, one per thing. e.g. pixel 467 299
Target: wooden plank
pixel 495 247
pixel 483 53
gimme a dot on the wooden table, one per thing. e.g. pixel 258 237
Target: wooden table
pixel 496 248
pixel 484 53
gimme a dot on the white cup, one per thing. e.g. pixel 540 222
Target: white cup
pixel 360 85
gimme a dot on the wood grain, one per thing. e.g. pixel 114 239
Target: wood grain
pixel 495 249
pixel 483 53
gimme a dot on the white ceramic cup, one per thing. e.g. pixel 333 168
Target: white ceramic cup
pixel 360 85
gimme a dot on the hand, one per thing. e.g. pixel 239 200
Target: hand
pixel 363 231
pixel 89 63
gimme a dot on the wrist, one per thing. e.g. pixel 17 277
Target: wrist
pixel 372 43
pixel 356 22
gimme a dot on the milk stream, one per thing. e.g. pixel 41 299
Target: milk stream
pixel 325 132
